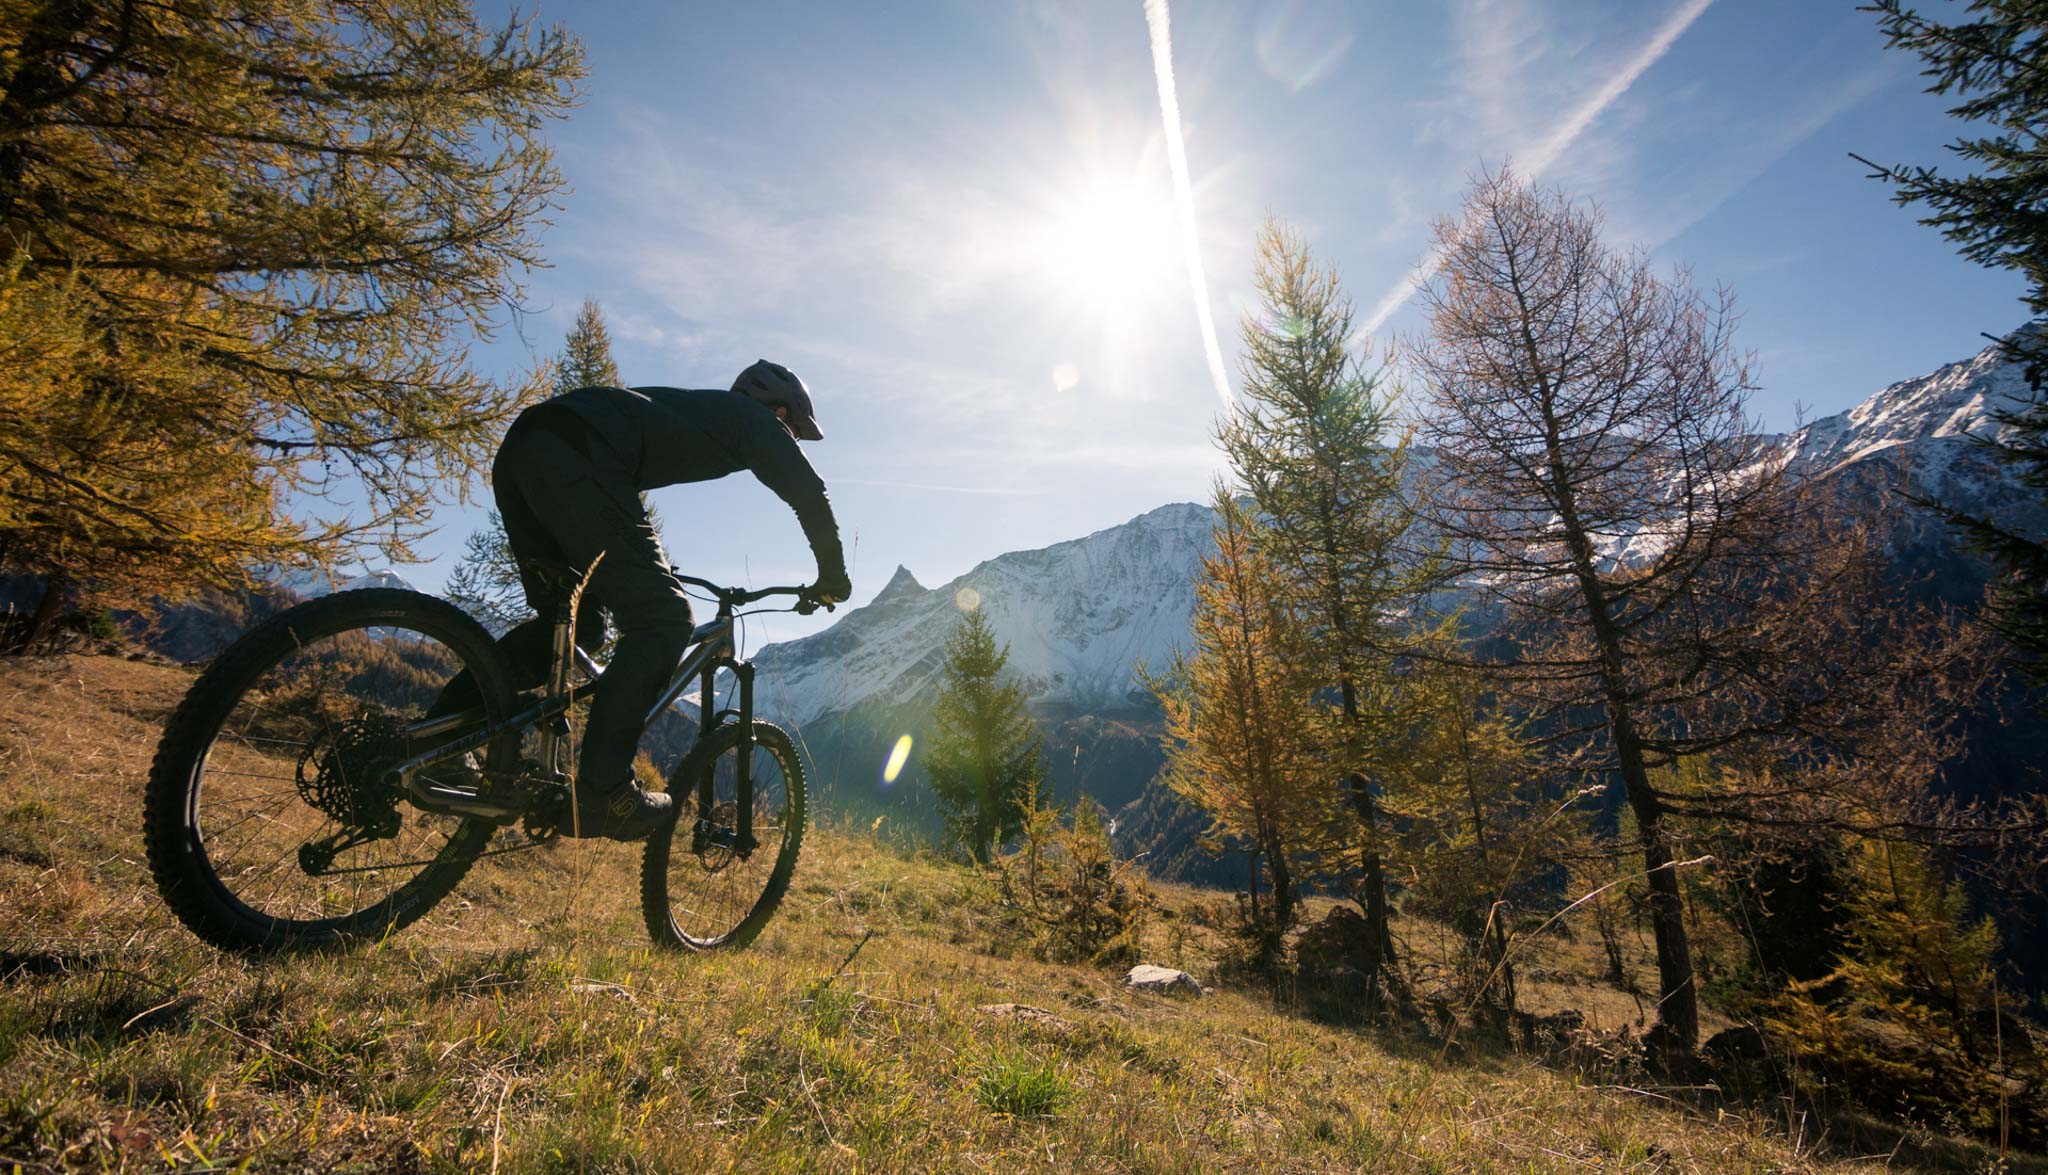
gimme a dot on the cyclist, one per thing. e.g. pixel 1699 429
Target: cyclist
pixel 568 479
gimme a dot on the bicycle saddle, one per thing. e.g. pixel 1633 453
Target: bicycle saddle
pixel 556 577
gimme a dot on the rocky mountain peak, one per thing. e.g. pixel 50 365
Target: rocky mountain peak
pixel 901 586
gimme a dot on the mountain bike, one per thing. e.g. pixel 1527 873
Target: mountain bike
pixel 316 786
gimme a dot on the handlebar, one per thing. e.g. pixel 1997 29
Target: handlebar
pixel 740 597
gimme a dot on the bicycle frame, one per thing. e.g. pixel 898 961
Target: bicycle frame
pixel 710 649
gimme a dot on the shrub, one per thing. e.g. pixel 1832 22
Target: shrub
pixel 1080 902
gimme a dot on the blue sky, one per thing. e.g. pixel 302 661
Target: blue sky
pixel 955 220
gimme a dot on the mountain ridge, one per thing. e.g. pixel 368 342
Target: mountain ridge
pixel 1078 614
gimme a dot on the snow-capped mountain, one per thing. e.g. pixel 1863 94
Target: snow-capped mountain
pixel 1933 413
pixel 1926 433
pixel 312 582
pixel 1077 615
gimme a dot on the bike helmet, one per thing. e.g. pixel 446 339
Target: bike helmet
pixel 778 387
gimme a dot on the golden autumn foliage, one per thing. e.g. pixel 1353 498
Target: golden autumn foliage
pixel 1912 1020
pixel 1244 735
pixel 246 247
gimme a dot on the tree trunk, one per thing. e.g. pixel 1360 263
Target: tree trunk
pixel 984 806
pixel 55 585
pixel 1379 940
pixel 1493 944
pixel 1252 883
pixel 1678 1012
pixel 1372 877
pixel 1677 999
pixel 1283 889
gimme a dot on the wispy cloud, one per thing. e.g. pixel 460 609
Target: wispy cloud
pixel 1500 44
pixel 1760 146
pixel 924 487
pixel 1160 26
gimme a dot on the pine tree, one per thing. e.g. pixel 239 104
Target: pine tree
pixel 242 256
pixel 485 582
pixel 1317 449
pixel 1996 65
pixel 1244 734
pixel 587 353
pixel 984 757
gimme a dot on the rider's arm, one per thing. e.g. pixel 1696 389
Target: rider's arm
pixel 780 465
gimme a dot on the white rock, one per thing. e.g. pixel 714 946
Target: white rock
pixel 1146 977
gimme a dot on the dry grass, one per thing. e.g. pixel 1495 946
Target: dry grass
pixel 527 1025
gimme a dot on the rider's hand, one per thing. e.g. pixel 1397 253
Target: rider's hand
pixel 832 588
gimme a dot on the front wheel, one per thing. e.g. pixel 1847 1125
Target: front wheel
pixel 700 887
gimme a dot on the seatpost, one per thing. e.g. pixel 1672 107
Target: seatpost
pixel 564 654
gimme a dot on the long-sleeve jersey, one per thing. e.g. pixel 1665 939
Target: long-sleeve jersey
pixel 667 436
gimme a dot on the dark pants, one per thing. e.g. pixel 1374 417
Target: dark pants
pixel 563 503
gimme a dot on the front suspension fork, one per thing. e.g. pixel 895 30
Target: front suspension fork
pixel 740 835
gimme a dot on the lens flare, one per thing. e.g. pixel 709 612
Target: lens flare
pixel 967 599
pixel 897 758
pixel 1301 42
pixel 1065 377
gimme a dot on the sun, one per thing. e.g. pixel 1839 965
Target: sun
pixel 1108 246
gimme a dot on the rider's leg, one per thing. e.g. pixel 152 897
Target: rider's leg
pixel 527 646
pixel 588 507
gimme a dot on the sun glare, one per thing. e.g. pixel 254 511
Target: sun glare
pixel 1109 247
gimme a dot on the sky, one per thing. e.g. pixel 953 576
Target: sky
pixel 959 222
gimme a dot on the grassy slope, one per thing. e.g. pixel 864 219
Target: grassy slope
pixel 526 1025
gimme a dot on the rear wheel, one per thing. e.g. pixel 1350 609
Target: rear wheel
pixel 700 887
pixel 267 817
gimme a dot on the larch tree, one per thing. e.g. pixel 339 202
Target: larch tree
pixel 1478 833
pixel 1917 966
pixel 983 757
pixel 243 251
pixel 1996 65
pixel 1317 449
pixel 1244 735
pixel 1668 590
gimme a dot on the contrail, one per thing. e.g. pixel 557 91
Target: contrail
pixel 1554 144
pixel 1184 190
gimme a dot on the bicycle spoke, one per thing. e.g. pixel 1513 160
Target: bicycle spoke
pixel 306 732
